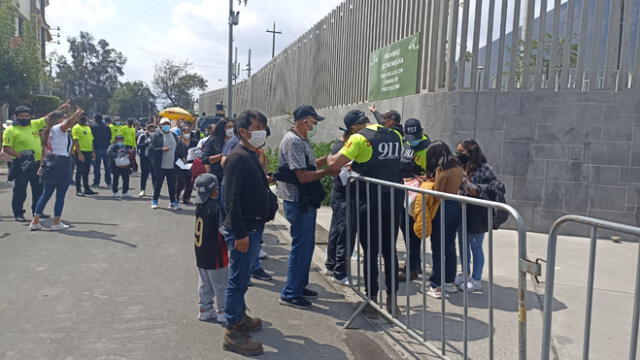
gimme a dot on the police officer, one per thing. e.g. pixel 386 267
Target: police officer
pixel 375 153
pixel 413 163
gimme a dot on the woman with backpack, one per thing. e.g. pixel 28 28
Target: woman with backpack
pixel 480 181
pixel 120 165
pixel 55 167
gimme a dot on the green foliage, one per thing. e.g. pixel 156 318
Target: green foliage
pixel 320 150
pixel 21 65
pixel 174 82
pixel 133 100
pixel 43 104
pixel 92 76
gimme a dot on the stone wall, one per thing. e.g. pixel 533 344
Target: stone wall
pixel 557 152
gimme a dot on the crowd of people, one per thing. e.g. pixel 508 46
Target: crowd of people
pixel 227 168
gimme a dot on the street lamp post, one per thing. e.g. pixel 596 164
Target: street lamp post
pixel 232 21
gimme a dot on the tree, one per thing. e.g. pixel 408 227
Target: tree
pixel 174 82
pixel 92 76
pixel 21 65
pixel 133 100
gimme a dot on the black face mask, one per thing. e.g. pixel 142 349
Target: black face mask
pixel 463 158
pixel 83 121
pixel 23 122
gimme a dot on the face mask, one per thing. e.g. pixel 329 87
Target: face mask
pixel 83 121
pixel 121 144
pixel 186 136
pixel 463 158
pixel 258 138
pixel 415 143
pixel 229 132
pixel 313 131
pixel 118 123
pixel 166 128
pixel 23 122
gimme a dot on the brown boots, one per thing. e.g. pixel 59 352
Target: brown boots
pixel 237 339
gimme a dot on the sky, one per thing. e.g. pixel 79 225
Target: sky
pixel 148 31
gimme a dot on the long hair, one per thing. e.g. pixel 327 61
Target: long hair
pixel 219 133
pixel 476 156
pixel 439 156
pixel 53 120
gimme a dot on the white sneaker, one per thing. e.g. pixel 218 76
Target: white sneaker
pixel 327 272
pixel 344 281
pixel 450 288
pixel 221 318
pixel 473 286
pixel 435 293
pixel 206 315
pixel 141 193
pixel 459 280
pixel 116 195
pixel 61 226
pixel 154 204
pixel 35 227
pixel 263 254
pixel 174 206
pixel 127 196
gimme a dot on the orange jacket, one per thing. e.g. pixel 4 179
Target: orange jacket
pixel 432 204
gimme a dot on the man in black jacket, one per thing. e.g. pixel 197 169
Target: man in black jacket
pixel 101 141
pixel 249 205
pixel 144 141
pixel 164 154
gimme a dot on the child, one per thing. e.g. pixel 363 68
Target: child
pixel 212 258
pixel 120 166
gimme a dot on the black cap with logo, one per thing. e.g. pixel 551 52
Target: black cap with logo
pixel 306 110
pixel 204 185
pixel 354 117
pixel 412 130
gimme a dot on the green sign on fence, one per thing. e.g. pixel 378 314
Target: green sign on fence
pixel 393 70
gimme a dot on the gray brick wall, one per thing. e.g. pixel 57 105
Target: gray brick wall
pixel 558 153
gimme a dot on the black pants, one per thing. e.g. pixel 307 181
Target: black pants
pixel 338 253
pixel 414 245
pixel 116 174
pixel 370 235
pixel 145 172
pixel 82 172
pixel 184 183
pixel 160 175
pixel 452 214
pixel 21 181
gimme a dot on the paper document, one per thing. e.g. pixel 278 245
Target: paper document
pixel 182 165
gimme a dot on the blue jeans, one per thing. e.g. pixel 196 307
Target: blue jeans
pixel 452 217
pixel 240 266
pixel 474 250
pixel 303 239
pixel 48 189
pixel 101 157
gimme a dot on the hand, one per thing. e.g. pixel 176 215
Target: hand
pixel 65 106
pixel 214 159
pixel 93 156
pixel 372 108
pixel 80 157
pixel 242 245
pixel 39 172
pixel 165 149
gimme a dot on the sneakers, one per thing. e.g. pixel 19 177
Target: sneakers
pixel 344 281
pixel 116 195
pixel 434 292
pixel 154 204
pixel 61 226
pixel 141 193
pixel 459 280
pixel 206 315
pixel 309 294
pixel 450 288
pixel 79 193
pixel 90 192
pixel 263 254
pixel 174 206
pixel 239 342
pixel 472 286
pixel 35 227
pixel 127 196
pixel 260 274
pixel 221 318
pixel 298 303
pixel 370 312
pixel 249 324
pixel 20 218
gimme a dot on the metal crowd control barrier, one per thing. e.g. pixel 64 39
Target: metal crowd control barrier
pixel 551 270
pixel 524 266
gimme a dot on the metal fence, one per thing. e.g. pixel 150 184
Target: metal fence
pixel 556 45
pixel 549 286
pixel 373 189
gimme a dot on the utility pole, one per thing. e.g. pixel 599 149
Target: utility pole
pixel 233 20
pixel 274 32
pixel 249 65
pixel 236 73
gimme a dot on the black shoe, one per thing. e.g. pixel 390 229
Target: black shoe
pixel 80 193
pixel 309 294
pixel 298 303
pixel 187 202
pixel 402 276
pixel 260 274
pixel 45 216
pixel 20 218
pixel 370 312
pixel 90 192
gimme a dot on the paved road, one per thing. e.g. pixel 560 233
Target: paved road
pixel 121 284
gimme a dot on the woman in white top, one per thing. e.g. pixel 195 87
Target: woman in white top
pixel 55 167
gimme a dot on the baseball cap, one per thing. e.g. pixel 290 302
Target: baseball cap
pixel 354 117
pixel 304 111
pixel 412 130
pixel 393 115
pixel 165 121
pixel 204 185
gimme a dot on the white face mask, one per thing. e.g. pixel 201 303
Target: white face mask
pixel 229 132
pixel 186 136
pixel 258 138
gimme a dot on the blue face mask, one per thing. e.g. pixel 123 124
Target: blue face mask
pixel 121 144
pixel 166 128
pixel 415 143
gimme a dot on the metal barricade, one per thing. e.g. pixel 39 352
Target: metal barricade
pixel 551 269
pixel 393 189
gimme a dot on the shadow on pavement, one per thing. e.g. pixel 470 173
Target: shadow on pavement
pixel 98 235
pixel 295 346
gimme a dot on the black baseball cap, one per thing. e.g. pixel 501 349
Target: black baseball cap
pixel 412 130
pixel 393 115
pixel 354 117
pixel 204 185
pixel 119 137
pixel 304 111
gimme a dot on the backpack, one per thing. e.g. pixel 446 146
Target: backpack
pixel 122 159
pixel 497 193
pixel 197 168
